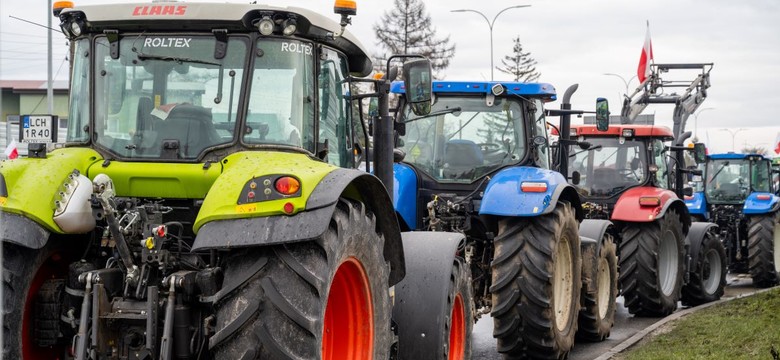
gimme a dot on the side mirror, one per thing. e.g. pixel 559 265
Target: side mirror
pixel 688 191
pixel 699 153
pixel 602 114
pixel 373 107
pixel 575 177
pixel 419 84
pixel 696 178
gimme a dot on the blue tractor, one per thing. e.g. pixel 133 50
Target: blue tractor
pixel 737 193
pixel 479 164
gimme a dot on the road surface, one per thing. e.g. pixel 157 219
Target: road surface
pixel 484 346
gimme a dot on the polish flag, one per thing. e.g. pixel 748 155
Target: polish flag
pixel 643 71
pixel 777 144
pixel 10 151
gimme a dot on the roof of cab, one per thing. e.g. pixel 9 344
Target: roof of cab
pixel 184 16
pixel 484 87
pixel 731 155
pixel 654 131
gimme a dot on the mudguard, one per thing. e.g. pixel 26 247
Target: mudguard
pixel 429 258
pixel 695 238
pixel 594 229
pixel 697 205
pixel 32 184
pixel 504 197
pixel 22 231
pixel 314 220
pixel 405 195
pixel 761 203
pixel 628 209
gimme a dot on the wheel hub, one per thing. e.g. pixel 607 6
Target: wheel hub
pixel 562 284
pixel 348 327
pixel 667 263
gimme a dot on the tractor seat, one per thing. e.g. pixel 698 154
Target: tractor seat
pixel 460 158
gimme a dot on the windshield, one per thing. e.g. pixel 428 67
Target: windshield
pixel 463 139
pixel 732 180
pixel 609 167
pixel 166 96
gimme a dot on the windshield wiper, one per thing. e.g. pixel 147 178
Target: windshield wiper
pixel 718 172
pixel 436 113
pixel 181 60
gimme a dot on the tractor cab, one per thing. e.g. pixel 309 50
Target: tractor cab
pixel 474 129
pixel 621 158
pixel 730 178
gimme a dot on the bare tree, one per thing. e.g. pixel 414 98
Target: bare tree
pixel 520 64
pixel 407 29
pixel 754 150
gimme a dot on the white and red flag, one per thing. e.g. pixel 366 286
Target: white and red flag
pixel 11 151
pixel 643 71
pixel 777 144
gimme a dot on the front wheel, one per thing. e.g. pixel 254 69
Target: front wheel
pixel 651 265
pixel 708 276
pixel 599 293
pixel 536 285
pixel 321 299
pixel 764 249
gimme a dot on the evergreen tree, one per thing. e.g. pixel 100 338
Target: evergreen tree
pixel 407 29
pixel 520 64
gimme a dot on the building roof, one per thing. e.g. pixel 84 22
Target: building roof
pixel 32 86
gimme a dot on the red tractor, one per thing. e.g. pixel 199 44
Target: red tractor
pixel 631 175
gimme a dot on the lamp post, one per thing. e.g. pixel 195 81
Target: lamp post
pixel 733 136
pixel 696 123
pixel 490 25
pixel 626 83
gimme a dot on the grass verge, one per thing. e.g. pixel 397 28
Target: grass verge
pixel 747 328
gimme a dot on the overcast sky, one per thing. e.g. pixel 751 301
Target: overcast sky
pixel 574 41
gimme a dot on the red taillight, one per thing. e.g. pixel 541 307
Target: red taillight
pixel 763 196
pixel 533 186
pixel 688 197
pixel 649 201
pixel 287 185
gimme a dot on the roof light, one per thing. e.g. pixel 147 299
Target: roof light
pixel 763 197
pixel 527 186
pixel 289 26
pixel 497 89
pixel 77 28
pixel 345 7
pixel 266 25
pixel 649 201
pixel 572 132
pixel 653 168
pixel 628 133
pixel 58 6
pixel 287 185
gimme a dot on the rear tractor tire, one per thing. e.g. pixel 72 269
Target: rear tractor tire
pixel 597 315
pixel 651 265
pixel 708 276
pixel 30 325
pixel 323 299
pixel 536 282
pixel 764 249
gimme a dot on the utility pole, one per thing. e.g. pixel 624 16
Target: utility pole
pixel 50 86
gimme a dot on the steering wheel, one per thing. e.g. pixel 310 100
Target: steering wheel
pixel 627 172
pixel 490 147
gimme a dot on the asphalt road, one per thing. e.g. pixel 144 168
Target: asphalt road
pixel 626 325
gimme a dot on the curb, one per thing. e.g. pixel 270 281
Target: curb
pixel 643 333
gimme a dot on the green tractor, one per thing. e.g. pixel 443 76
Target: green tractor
pixel 206 204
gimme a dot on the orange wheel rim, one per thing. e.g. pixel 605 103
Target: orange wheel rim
pixel 348 329
pixel 457 330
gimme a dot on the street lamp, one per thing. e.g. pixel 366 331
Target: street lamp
pixel 696 123
pixel 490 25
pixel 733 135
pixel 626 83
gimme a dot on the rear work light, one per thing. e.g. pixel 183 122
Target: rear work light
pixel 628 133
pixel 649 201
pixel 763 197
pixel 527 186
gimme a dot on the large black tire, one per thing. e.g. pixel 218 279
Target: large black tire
pixel 311 299
pixel 599 293
pixel 534 318
pixel 764 249
pixel 651 265
pixel 708 276
pixel 24 272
